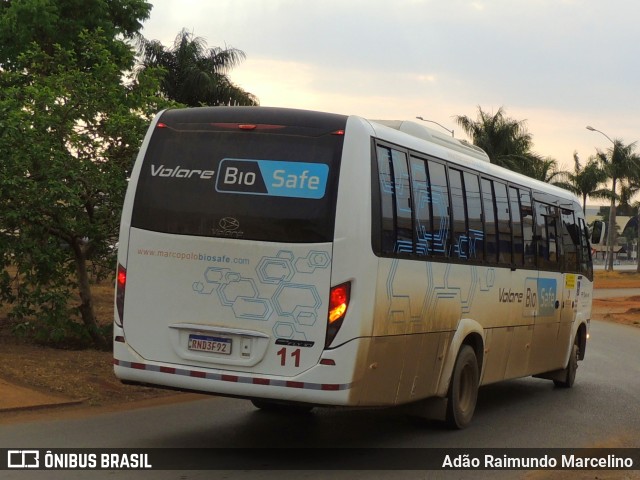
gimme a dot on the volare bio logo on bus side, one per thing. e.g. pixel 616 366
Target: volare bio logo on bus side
pixel 258 177
pixel 539 296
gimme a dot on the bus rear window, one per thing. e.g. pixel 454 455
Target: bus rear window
pixel 241 179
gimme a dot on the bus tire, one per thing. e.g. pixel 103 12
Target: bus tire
pixel 281 407
pixel 569 373
pixel 463 389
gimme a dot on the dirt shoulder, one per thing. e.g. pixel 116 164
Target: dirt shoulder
pixel 87 375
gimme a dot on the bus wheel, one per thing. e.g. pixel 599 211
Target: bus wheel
pixel 281 407
pixel 569 373
pixel 463 389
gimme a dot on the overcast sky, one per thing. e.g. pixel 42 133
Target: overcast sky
pixel 558 64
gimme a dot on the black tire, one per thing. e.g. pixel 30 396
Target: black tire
pixel 569 372
pixel 463 389
pixel 281 407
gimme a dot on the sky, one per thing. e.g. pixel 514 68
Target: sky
pixel 559 65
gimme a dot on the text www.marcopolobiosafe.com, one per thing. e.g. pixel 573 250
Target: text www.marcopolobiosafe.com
pixel 193 256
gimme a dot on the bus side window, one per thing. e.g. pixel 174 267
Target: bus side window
pixel 440 208
pixel 542 249
pixel 421 206
pixel 490 227
pixel 570 241
pixel 526 211
pixel 504 222
pixel 387 194
pixel 474 215
pixel 546 236
pixel 404 223
pixel 460 239
pixel 552 236
pixel 586 267
pixel 516 222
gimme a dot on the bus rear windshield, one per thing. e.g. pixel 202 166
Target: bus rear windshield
pixel 235 178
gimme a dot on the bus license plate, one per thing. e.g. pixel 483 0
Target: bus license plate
pixel 205 343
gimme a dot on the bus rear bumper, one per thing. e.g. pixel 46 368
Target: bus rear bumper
pixel 320 385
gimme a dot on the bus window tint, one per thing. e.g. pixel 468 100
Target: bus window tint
pixel 434 210
pixel 460 240
pixel 387 192
pixel 421 206
pixel 546 235
pixel 504 225
pixel 180 188
pixel 552 232
pixel 404 228
pixel 474 215
pixel 586 265
pixel 526 211
pixel 570 241
pixel 490 227
pixel 516 222
pixel 440 201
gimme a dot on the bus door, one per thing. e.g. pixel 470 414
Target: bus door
pixel 570 233
pixel 548 293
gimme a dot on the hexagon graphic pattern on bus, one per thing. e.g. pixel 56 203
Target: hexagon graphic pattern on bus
pixel 279 288
pixel 438 290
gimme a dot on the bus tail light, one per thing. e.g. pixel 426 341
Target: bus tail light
pixel 338 303
pixel 121 283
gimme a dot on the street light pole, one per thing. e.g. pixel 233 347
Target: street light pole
pixel 431 121
pixel 608 265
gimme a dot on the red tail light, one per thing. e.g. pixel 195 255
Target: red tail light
pixel 338 304
pixel 121 283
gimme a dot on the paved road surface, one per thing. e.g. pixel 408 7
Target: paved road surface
pixel 601 410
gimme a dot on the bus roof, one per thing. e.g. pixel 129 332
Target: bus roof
pixel 431 135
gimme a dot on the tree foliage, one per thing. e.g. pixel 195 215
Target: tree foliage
pixel 586 181
pixel 70 126
pixel 60 22
pixel 620 162
pixel 505 140
pixel 194 74
pixel 508 144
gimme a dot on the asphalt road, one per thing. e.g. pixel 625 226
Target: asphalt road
pixel 601 410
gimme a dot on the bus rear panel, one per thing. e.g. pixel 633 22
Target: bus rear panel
pixel 225 265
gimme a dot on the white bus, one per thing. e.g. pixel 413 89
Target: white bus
pixel 302 259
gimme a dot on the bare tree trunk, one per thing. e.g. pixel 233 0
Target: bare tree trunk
pixel 87 312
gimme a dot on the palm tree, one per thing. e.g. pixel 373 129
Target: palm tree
pixel 505 140
pixel 193 74
pixel 586 181
pixel 620 162
pixel 545 170
pixel 630 187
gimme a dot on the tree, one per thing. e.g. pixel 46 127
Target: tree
pixel 60 22
pixel 545 170
pixel 587 181
pixel 505 140
pixel 70 126
pixel 620 162
pixel 630 187
pixel 195 75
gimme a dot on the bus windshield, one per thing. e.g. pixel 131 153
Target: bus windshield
pixel 242 180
